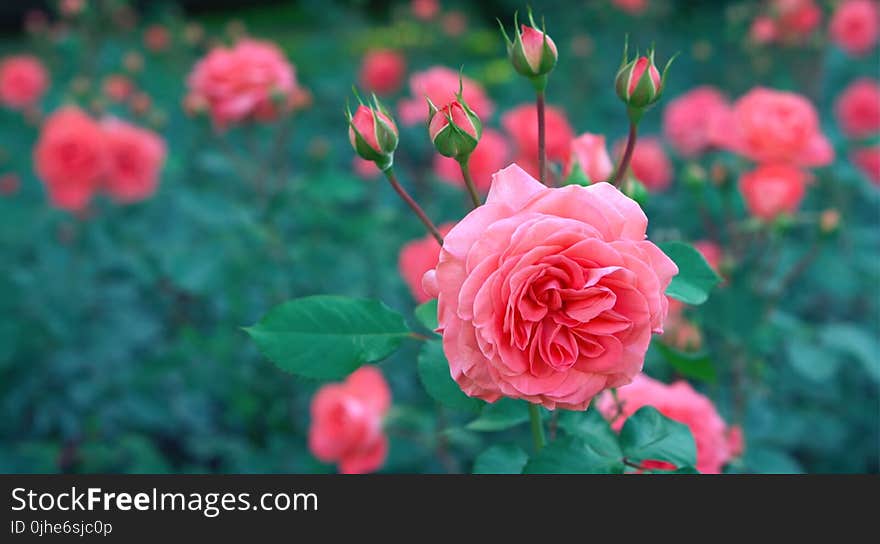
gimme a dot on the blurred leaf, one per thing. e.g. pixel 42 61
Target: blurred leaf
pixel 501 459
pixel 691 365
pixel 435 377
pixel 695 277
pixel 573 455
pixel 427 314
pixel 810 360
pixel 856 342
pixel 764 460
pixel 587 424
pixel 649 435
pixel 328 337
pixel 502 414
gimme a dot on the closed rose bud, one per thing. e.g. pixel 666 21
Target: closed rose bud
pixel 639 83
pixel 373 134
pixel 454 129
pixel 532 52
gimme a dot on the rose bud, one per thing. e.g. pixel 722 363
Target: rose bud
pixel 373 134
pixel 454 129
pixel 532 52
pixel 639 84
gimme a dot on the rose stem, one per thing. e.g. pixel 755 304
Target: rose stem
pixel 414 206
pixel 542 148
pixel 627 155
pixel 537 426
pixel 469 182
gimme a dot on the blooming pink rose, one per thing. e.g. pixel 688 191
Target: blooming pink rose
pixel 364 168
pixel 773 189
pixel 135 159
pixel 23 80
pixel 118 87
pixel 711 252
pixel 681 403
pixel 70 157
pixel 649 163
pixel 796 19
pixel 590 153
pixel 867 160
pixel 548 295
pixel 440 84
pixel 763 30
pixel 767 125
pixel 382 71
pixel 347 422
pixel 416 258
pixel 425 9
pixel 491 155
pixel 521 124
pixel 689 118
pixel 157 38
pixel 633 7
pixel 855 26
pixel 241 82
pixel 858 108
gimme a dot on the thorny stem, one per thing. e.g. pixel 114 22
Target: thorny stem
pixel 627 155
pixel 414 206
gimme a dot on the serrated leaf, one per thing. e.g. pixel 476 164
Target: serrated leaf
pixel 501 459
pixel 435 377
pixel 695 278
pixel 649 435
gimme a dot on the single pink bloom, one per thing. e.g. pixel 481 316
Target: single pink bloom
pixel 855 26
pixel 763 30
pixel 23 81
pixel 118 87
pixel 521 125
pixel 773 189
pixel 425 9
pixel 157 38
pixel 382 71
pixel 858 108
pixel 688 119
pixel 867 159
pixel 589 152
pixel 135 159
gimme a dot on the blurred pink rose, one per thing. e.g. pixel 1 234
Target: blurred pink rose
pixel 689 118
pixel 425 9
pixel 858 108
pixel 633 7
pixel 767 125
pixel 736 440
pixel 773 189
pixel 118 87
pixel 796 19
pixel 548 295
pixel 590 153
pixel 855 26
pixel 763 30
pixel 521 124
pixel 23 80
pixel 867 159
pixel 241 82
pixel 416 258
pixel 382 71
pixel 680 402
pixel 440 85
pixel 135 159
pixel 491 155
pixel 711 252
pixel 649 163
pixel 157 38
pixel 454 24
pixel 364 168
pixel 347 419
pixel 70 158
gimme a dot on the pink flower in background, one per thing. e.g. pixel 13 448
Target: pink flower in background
pixel 867 159
pixel 689 118
pixel 736 440
pixel 382 71
pixel 773 189
pixel 858 108
pixel 521 124
pixel 425 9
pixel 347 419
pixel 23 81
pixel 71 7
pixel 763 30
pixel 454 24
pixel 797 18
pixel 548 295
pixel 440 85
pixel 589 152
pixel 240 82
pixel 680 402
pixel 855 26
pixel 157 38
pixel 365 169
pixel 70 158
pixel 9 184
pixel 767 125
pixel 634 7
pixel 491 155
pixel 649 163
pixel 135 159
pixel 416 258
pixel 711 252
pixel 118 88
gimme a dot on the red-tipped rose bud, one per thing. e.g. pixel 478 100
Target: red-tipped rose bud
pixel 454 129
pixel 373 134
pixel 639 83
pixel 532 52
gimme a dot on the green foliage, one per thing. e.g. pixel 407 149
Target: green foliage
pixel 695 277
pixel 501 459
pixel 500 415
pixel 434 375
pixel 648 435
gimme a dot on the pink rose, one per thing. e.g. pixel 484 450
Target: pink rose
pixel 70 157
pixel 633 7
pixel 855 26
pixel 118 88
pixel 548 295
pixel 649 163
pixel 157 38
pixel 440 85
pixel 454 24
pixel 521 124
pixel 688 119
pixel 135 159
pixel 773 189
pixel 425 9
pixel 365 169
pixel 858 108
pixel 711 252
pixel 416 258
pixel 491 154
pixel 796 19
pixel 867 160
pixel 590 153
pixel 763 30
pixel 347 422
pixel 767 125
pixel 241 82
pixel 679 402
pixel 682 335
pixel 382 71
pixel 23 80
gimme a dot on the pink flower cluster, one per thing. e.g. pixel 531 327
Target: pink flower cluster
pixel 858 113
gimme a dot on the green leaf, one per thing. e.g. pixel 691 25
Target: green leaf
pixel 589 424
pixel 501 459
pixel 328 337
pixel 811 360
pixel 856 342
pixel 502 414
pixel 574 455
pixel 695 277
pixel 427 314
pixel 764 460
pixel 691 365
pixel 435 377
pixel 648 435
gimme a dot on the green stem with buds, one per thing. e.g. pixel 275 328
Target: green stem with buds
pixel 627 155
pixel 389 173
pixel 537 426
pixel 542 147
pixel 469 183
